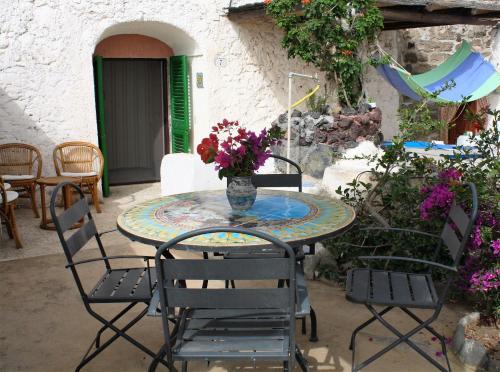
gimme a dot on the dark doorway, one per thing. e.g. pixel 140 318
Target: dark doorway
pixel 135 107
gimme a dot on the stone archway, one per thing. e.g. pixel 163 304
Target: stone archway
pixel 132 46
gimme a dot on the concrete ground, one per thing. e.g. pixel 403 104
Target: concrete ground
pixel 44 325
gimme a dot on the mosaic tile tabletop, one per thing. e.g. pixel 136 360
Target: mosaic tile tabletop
pixel 296 218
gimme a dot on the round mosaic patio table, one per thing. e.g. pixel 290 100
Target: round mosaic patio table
pixel 294 217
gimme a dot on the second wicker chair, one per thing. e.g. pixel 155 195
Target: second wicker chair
pixel 81 160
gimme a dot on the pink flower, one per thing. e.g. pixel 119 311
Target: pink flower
pixel 449 175
pixel 495 247
pixel 242 150
pixel 438 202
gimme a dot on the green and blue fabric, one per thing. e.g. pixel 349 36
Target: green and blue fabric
pixel 473 77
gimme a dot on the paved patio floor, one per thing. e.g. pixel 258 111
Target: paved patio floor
pixel 44 326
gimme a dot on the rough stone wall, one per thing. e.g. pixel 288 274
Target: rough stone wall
pixel 425 48
pixel 46 48
pixel 422 49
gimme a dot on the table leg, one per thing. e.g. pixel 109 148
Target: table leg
pixel 95 196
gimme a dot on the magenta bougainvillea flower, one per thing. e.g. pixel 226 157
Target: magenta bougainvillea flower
pixel 437 202
pixel 479 275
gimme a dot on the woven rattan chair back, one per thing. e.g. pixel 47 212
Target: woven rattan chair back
pixel 20 159
pixel 78 157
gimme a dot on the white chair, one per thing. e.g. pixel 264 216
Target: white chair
pixel 187 173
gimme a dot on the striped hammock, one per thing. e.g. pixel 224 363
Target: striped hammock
pixel 474 78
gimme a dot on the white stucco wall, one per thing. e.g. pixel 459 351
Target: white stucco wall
pixel 46 75
pixel 377 88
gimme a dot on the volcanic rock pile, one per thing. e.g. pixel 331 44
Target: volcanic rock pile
pixel 317 139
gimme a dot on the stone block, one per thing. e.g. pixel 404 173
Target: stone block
pixel 318 157
pixel 411 58
pixel 325 121
pixel 345 122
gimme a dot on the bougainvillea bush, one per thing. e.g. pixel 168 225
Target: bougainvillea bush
pixel 414 192
pixel 236 151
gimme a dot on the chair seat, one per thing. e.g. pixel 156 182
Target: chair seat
pixel 78 174
pixel 11 196
pixel 233 333
pixel 124 285
pixel 17 177
pixel 389 288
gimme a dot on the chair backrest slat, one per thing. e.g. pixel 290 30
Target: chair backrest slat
pixel 277 180
pixel 81 237
pixel 459 218
pixel 458 226
pixel 247 269
pixel 73 214
pixel 241 298
pixel 256 270
pixel 451 240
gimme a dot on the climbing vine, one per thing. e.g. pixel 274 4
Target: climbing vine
pixel 329 34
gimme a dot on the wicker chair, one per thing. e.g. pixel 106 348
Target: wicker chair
pixel 7 216
pixel 81 160
pixel 21 166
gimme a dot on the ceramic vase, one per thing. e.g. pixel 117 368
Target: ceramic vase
pixel 241 193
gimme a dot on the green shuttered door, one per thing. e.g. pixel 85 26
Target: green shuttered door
pixel 101 124
pixel 179 103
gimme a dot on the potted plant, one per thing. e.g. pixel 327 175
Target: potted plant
pixel 238 153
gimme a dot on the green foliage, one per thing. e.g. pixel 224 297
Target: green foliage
pixel 317 103
pixel 418 119
pixel 329 34
pixel 393 197
pixel 379 60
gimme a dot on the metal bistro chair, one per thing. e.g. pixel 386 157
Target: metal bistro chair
pixel 292 180
pixel 250 324
pixel 406 291
pixel 127 286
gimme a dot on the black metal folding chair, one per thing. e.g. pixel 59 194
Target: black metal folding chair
pixel 292 180
pixel 245 323
pixel 405 290
pixel 128 286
